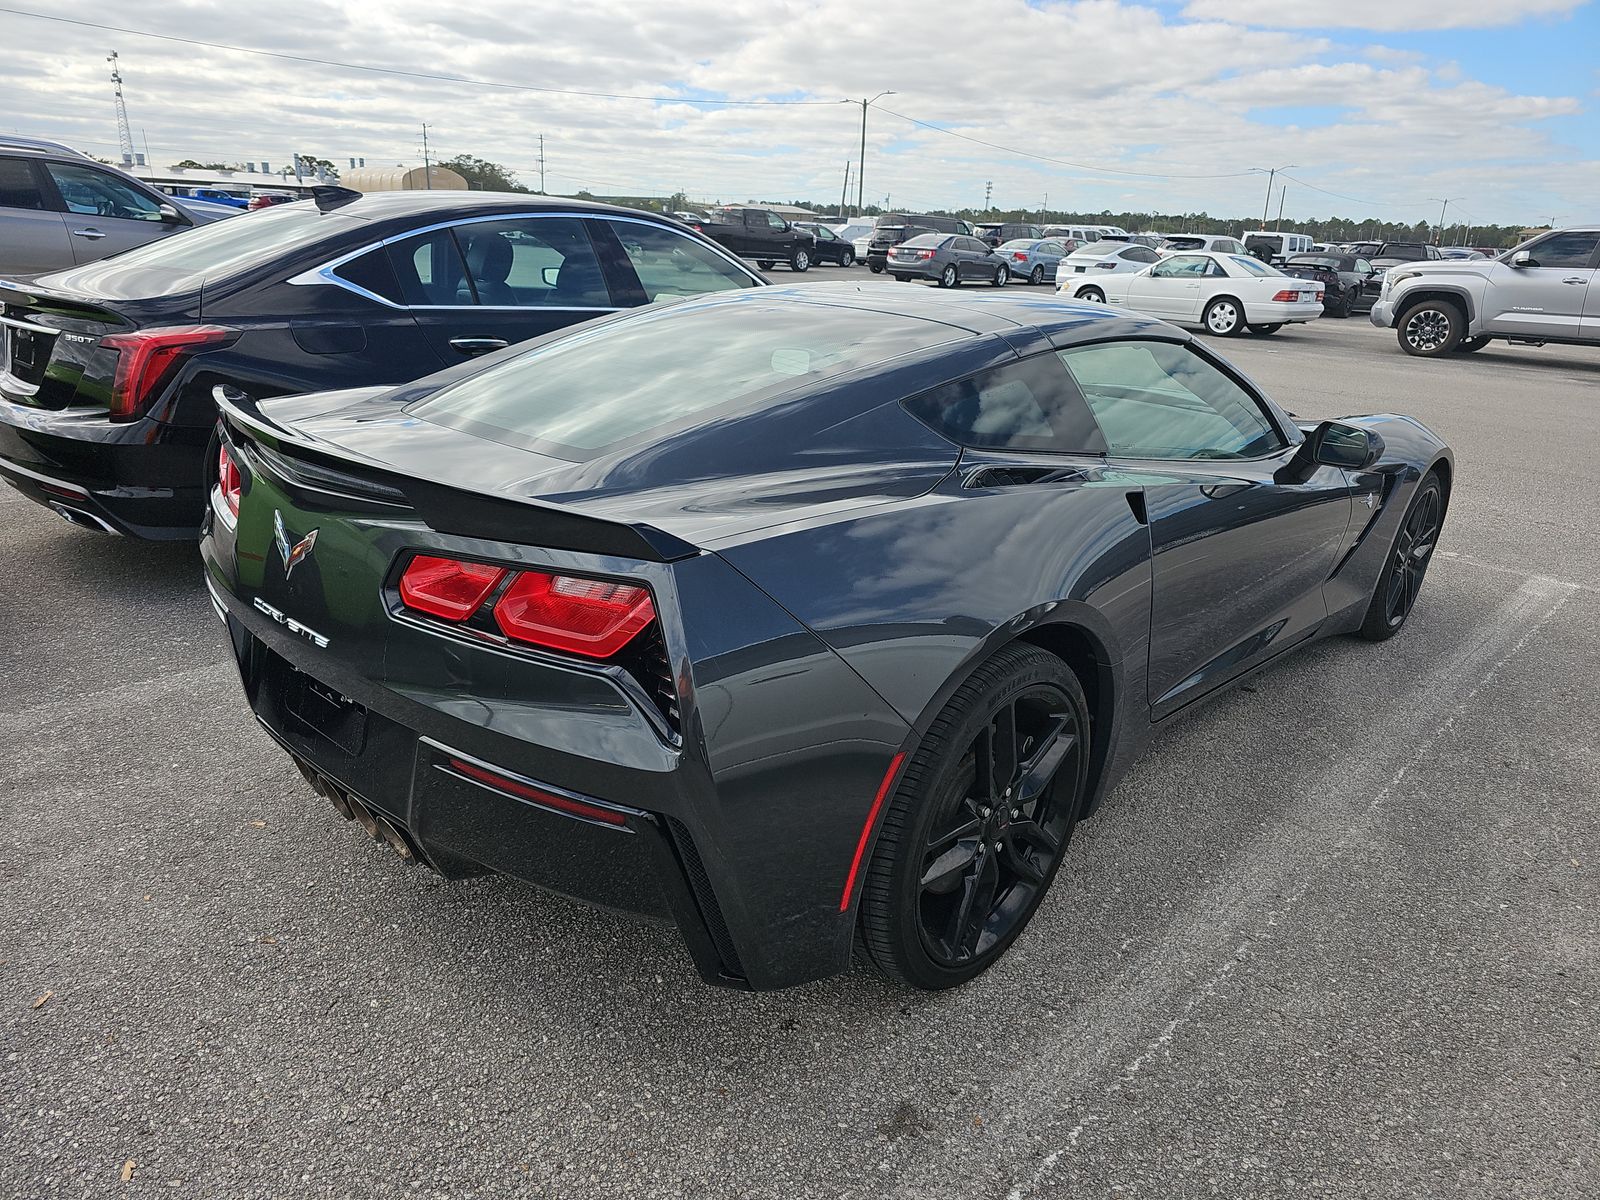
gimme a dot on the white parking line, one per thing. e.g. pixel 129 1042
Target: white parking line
pixel 1308 841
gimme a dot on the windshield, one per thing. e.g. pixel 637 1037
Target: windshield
pixel 1253 266
pixel 219 249
pixel 683 366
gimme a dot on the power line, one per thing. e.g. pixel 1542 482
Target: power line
pixel 1045 157
pixel 441 78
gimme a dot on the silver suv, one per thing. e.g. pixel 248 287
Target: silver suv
pixel 59 208
pixel 1546 290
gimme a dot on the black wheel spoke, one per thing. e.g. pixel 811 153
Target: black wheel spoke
pixel 964 829
pixel 973 912
pixel 1003 754
pixel 945 872
pixel 1015 857
pixel 1045 761
pixel 1037 837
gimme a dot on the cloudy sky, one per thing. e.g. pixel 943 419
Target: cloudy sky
pixel 1382 105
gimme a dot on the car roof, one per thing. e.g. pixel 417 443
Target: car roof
pixel 383 206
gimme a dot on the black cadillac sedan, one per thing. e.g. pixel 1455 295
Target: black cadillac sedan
pixel 793 616
pixel 107 371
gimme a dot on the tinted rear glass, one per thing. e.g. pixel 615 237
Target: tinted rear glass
pixel 621 381
pixel 927 239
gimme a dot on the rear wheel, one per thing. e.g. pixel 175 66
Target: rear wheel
pixel 1001 275
pixel 800 261
pixel 1431 328
pixel 1266 330
pixel 1472 345
pixel 949 277
pixel 765 264
pixel 1409 556
pixel 1224 317
pixel 1036 276
pixel 1092 294
pixel 874 268
pixel 979 822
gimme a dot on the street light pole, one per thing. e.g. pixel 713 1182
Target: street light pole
pixel 861 171
pixel 1271 174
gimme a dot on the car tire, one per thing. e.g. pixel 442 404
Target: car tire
pixel 1002 275
pixel 874 268
pixel 1407 563
pixel 1092 294
pixel 1036 276
pixel 1265 330
pixel 1002 846
pixel 1223 317
pixel 1472 345
pixel 765 264
pixel 800 261
pixel 949 277
pixel 1430 328
pixel 847 259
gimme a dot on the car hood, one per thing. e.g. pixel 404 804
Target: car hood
pixel 1437 268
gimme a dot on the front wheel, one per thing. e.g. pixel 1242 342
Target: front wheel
pixel 1266 330
pixel 1001 274
pixel 847 259
pixel 1036 276
pixel 1430 328
pixel 1093 294
pixel 1223 316
pixel 949 277
pixel 801 261
pixel 979 822
pixel 1409 556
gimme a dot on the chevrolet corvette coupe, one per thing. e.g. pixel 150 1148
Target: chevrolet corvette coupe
pixel 805 619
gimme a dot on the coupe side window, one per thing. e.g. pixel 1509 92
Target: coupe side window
pixel 533 262
pixel 1568 251
pixel 1159 400
pixel 96 193
pixel 669 264
pixel 1181 266
pixel 1030 405
pixel 430 270
pixel 18 187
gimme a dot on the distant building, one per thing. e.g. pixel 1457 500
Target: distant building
pixel 402 179
pixel 243 183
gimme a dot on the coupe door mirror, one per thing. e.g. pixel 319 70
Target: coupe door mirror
pixel 1523 258
pixel 170 214
pixel 1334 444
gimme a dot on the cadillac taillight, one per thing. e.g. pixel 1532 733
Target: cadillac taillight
pixel 146 359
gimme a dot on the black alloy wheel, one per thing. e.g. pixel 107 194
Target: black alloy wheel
pixel 949 277
pixel 1409 556
pixel 1431 328
pixel 1036 276
pixel 979 822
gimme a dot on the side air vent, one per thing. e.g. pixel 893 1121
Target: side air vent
pixel 646 660
pixel 705 898
pixel 1014 476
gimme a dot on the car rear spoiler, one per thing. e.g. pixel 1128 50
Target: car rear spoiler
pixel 451 509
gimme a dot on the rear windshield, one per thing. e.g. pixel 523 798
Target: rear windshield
pixel 1019 244
pixel 223 247
pixel 1404 253
pixel 1306 260
pixel 1186 243
pixel 623 380
pixel 927 239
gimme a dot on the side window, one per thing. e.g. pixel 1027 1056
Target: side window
pixel 95 193
pixel 1029 405
pixel 18 186
pixel 430 270
pixel 531 262
pixel 1363 267
pixel 1564 250
pixel 774 221
pixel 1181 266
pixel 1159 400
pixel 372 272
pixel 669 264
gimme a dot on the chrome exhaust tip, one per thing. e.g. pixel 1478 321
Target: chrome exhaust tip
pixel 76 516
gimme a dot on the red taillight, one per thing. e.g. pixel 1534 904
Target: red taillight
pixel 537 795
pixel 146 357
pixel 1286 297
pixel 924 253
pixel 592 617
pixel 1019 255
pixel 229 482
pixel 446 587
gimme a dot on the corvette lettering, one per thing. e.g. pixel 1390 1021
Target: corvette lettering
pixel 293 626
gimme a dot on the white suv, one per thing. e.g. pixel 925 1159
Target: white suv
pixel 1546 290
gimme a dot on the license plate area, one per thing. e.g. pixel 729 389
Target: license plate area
pixel 319 708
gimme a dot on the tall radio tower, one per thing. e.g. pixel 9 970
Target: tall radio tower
pixel 124 134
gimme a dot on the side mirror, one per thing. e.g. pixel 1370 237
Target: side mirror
pixel 1333 444
pixel 170 214
pixel 1523 258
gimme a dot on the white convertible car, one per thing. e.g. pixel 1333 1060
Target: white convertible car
pixel 1225 293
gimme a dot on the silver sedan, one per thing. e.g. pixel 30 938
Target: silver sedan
pixel 1033 259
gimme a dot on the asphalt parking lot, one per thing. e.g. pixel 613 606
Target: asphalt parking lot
pixel 1334 937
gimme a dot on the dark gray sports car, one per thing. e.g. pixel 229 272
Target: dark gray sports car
pixel 801 617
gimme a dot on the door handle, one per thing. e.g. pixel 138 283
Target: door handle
pixel 478 345
pixel 94 235
pixel 1575 279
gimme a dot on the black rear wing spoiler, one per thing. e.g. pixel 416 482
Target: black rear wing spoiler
pixel 450 509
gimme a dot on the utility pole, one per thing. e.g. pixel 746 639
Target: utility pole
pixel 1444 205
pixel 1282 192
pixel 861 173
pixel 541 164
pixel 844 193
pixel 1271 174
pixel 124 134
pixel 427 164
pixel 988 191
pixel 1042 206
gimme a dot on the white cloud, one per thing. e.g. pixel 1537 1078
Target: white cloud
pixel 1112 84
pixel 1387 15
